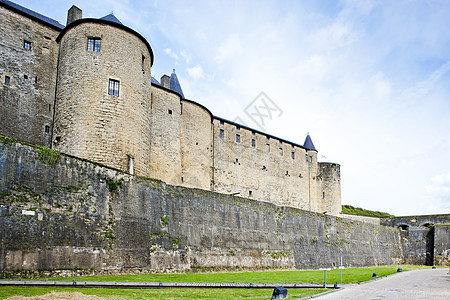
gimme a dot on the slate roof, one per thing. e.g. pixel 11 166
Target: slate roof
pixel 112 18
pixel 33 14
pixel 153 80
pixel 175 84
pixel 308 143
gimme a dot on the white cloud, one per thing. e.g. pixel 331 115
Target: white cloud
pixel 172 54
pixel 196 72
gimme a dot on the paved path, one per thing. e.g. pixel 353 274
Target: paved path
pixel 416 284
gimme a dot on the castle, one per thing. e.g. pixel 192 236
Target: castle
pixel 85 89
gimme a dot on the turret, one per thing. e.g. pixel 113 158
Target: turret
pixel 103 96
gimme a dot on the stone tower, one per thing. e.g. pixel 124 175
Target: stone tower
pixel 103 94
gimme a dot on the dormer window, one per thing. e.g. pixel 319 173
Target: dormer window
pixel 94 44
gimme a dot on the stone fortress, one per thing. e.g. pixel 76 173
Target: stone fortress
pixel 85 89
pixel 145 180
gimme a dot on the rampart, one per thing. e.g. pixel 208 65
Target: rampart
pixel 60 212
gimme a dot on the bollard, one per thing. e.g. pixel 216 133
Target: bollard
pixel 335 285
pixel 74 282
pixel 399 270
pixel 279 293
pixel 374 275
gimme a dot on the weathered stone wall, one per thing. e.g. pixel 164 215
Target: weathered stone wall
pixel 26 102
pixel 76 214
pixel 329 182
pixel 423 237
pixel 165 158
pixel 272 170
pixel 196 145
pixel 442 244
pixel 90 123
pixel 168 139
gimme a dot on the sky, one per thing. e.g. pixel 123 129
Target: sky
pixel 369 81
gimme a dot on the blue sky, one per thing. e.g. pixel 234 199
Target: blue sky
pixel 369 80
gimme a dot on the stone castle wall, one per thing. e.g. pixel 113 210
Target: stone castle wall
pixel 69 213
pixel 165 158
pixel 26 102
pixel 90 123
pixel 147 126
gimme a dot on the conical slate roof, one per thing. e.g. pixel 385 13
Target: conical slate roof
pixel 111 18
pixel 308 144
pixel 175 84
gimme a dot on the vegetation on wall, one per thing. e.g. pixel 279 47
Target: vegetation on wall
pixel 348 209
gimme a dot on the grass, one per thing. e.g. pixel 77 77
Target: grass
pixel 351 275
pixel 348 209
pixel 160 293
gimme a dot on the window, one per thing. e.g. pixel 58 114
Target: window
pixel 221 133
pixel 170 111
pixel 267 138
pixel 253 133
pixel 281 143
pixel 7 79
pixel 143 62
pixel 281 151
pixel 94 44
pixel 27 45
pixel 249 193
pixel 113 88
pixel 253 143
pixel 323 195
pixel 267 147
pixel 238 127
pixel 310 159
pixel 238 138
pixel 47 129
pixel 181 108
pixel 306 157
pixel 221 122
pixel 292 155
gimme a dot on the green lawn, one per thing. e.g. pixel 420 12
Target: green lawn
pixel 160 293
pixel 351 275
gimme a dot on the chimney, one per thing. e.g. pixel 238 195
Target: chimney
pixel 165 81
pixel 74 14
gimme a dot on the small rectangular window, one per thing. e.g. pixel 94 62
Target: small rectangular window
pixel 27 45
pixel 181 108
pixel 253 133
pixel 323 195
pixel 306 157
pixel 267 138
pixel 94 44
pixel 267 147
pixel 253 143
pixel 143 62
pixel 170 111
pixel 47 129
pixel 221 122
pixel 292 155
pixel 281 151
pixel 221 133
pixel 7 79
pixel 113 88
pixel 238 138
pixel 310 159
pixel 238 127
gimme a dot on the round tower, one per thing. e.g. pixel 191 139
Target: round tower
pixel 103 94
